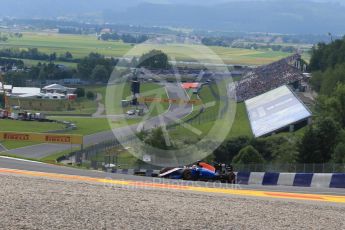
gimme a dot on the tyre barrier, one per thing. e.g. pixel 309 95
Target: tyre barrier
pixel 324 180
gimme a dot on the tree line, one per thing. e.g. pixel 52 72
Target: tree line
pixel 7 63
pixel 126 38
pixel 230 42
pixel 35 54
pixel 40 72
pixel 218 41
pixel 328 66
pixel 92 68
pixel 96 68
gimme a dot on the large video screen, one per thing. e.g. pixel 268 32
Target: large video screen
pixel 274 110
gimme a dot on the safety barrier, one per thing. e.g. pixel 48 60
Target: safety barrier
pixel 291 168
pixel 325 180
pixel 317 180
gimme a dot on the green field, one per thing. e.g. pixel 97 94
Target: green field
pixel 17 144
pixel 26 126
pixel 88 125
pixel 29 126
pixel 241 125
pixel 122 91
pixel 81 106
pixel 85 125
pixel 81 45
pixel 206 120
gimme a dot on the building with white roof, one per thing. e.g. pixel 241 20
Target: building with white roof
pixel 56 88
pixel 52 92
pixel 8 88
pixel 21 91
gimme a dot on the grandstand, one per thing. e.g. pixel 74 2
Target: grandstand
pixel 276 110
pixel 268 77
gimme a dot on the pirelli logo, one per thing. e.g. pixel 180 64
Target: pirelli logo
pixel 16 137
pixel 42 138
pixel 58 139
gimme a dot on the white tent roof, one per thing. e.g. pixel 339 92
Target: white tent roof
pixel 43 95
pixel 55 86
pixel 7 87
pixel 28 95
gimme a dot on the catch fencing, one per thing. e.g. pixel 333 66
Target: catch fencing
pixel 108 153
pixel 291 168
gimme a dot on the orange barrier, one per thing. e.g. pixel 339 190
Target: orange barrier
pixel 190 85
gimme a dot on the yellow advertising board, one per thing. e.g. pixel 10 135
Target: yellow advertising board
pixel 42 137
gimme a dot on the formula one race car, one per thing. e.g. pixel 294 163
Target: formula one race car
pixel 201 171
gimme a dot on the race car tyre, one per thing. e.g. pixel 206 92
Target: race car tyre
pixel 232 178
pixel 188 175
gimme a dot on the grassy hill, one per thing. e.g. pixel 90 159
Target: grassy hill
pixel 206 120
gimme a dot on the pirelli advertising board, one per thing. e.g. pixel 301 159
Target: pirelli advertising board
pixel 42 137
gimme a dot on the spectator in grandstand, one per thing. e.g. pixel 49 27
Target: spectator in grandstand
pixel 268 77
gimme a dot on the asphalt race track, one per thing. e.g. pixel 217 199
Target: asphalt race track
pixel 43 196
pixel 174 112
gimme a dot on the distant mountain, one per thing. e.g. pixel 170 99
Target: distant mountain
pixel 281 16
pixel 294 16
pixel 56 8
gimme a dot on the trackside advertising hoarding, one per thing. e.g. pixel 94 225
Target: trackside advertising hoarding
pixel 42 137
pixel 274 110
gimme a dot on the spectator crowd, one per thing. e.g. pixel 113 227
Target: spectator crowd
pixel 268 77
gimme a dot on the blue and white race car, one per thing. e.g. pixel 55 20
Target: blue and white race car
pixel 201 171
